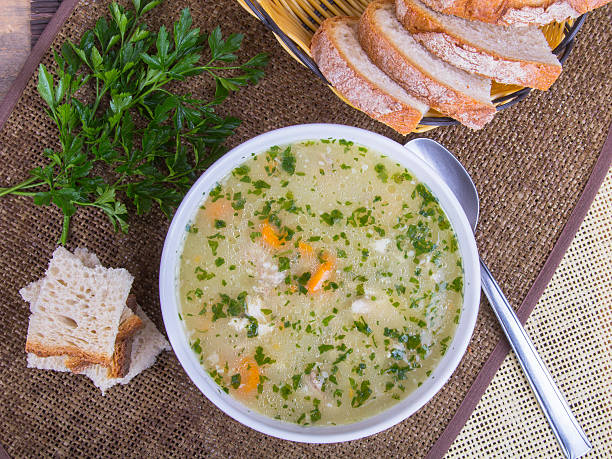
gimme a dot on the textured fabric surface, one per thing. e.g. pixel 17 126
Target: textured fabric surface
pixel 571 327
pixel 530 165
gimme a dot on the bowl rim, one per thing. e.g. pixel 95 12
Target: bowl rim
pixel 170 303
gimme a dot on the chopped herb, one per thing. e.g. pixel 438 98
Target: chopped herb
pixel 309 368
pixel 420 322
pixel 238 202
pixel 197 292
pixel 241 170
pixel 283 264
pixel 196 346
pixel 362 326
pixel 422 191
pixel 219 261
pixel 343 356
pixel 381 171
pixel 333 217
pixel 220 224
pixel 325 347
pixel 214 245
pixel 304 278
pixel 202 274
pixel 236 381
pixel 456 284
pixel 327 319
pixel 252 327
pixel 288 161
pixel 361 394
pixel 261 358
pixel 260 184
pixel 284 391
pixel 218 312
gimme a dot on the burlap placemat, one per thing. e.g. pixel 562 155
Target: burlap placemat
pixel 571 327
pixel 530 166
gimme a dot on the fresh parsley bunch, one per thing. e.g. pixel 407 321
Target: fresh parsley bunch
pixel 124 135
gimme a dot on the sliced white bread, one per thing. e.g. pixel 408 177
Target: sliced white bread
pixel 452 91
pixel 510 55
pixel 78 310
pixel 336 50
pixel 129 324
pixel 148 343
pixel 516 12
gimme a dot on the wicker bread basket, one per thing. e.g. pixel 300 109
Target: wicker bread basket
pixel 294 22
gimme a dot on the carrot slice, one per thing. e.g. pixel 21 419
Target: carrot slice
pixel 218 209
pixel 269 236
pixel 249 375
pixel 322 273
pixel 305 248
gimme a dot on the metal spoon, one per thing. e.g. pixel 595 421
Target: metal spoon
pixel 570 435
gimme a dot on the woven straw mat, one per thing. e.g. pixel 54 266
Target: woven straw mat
pixel 530 165
pixel 571 327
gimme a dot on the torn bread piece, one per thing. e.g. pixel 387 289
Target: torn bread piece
pixel 336 50
pixel 146 346
pixel 78 310
pixel 509 55
pixel 129 324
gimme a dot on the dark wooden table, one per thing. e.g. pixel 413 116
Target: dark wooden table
pixel 15 40
pixel 21 23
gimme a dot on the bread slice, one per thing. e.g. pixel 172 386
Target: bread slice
pixel 336 50
pixel 129 324
pixel 510 55
pixel 516 12
pixel 78 309
pixel 452 91
pixel 147 344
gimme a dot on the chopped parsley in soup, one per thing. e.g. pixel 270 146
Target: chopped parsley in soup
pixel 320 283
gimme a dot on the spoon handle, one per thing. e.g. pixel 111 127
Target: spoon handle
pixel 570 435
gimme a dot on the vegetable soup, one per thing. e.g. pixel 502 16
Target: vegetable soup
pixel 320 283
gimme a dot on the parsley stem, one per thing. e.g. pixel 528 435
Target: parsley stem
pixel 65 228
pixel 25 184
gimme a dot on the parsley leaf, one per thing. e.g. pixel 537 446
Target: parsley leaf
pixel 125 134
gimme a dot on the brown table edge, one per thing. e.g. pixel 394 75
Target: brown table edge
pixel 492 364
pixel 501 349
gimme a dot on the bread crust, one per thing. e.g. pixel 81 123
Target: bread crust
pixel 515 12
pixel 456 50
pixel 42 350
pixel 415 80
pixel 356 88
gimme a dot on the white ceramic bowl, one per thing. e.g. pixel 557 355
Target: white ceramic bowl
pixel 170 263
